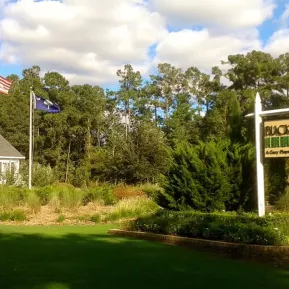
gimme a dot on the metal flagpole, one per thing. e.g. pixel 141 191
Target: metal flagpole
pixel 30 141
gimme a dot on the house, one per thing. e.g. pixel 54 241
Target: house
pixel 9 160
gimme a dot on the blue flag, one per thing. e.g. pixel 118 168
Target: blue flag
pixel 46 105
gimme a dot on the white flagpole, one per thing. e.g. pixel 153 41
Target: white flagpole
pixel 30 141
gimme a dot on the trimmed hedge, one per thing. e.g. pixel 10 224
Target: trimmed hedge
pixel 228 227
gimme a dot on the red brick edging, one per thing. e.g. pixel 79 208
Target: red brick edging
pixel 276 255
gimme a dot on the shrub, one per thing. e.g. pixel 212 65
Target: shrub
pixel 60 219
pixel 33 202
pixel 65 196
pixel 96 218
pixel 131 208
pixel 281 221
pixel 209 176
pixel 199 177
pixel 55 203
pixel 45 194
pixel 100 193
pixel 64 185
pixel 283 203
pixel 60 196
pixel 11 197
pixel 71 198
pixel 229 227
pixel 16 215
pixel 155 192
pixel 42 175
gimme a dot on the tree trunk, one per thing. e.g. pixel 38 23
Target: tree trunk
pixel 156 115
pixel 67 162
pixel 88 142
pixel 126 118
pixel 167 109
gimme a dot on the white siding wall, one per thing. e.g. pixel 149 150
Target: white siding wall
pixel 8 166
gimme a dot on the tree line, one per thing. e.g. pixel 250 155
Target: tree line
pixel 174 128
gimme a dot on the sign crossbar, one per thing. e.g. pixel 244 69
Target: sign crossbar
pixel 270 112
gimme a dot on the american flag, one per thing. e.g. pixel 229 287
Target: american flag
pixel 4 85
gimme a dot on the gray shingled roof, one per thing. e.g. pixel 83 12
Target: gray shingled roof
pixel 7 150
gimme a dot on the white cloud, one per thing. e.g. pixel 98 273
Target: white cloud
pixel 2 3
pixel 285 16
pixel 88 40
pixel 202 49
pixel 278 43
pixel 232 14
pixel 85 38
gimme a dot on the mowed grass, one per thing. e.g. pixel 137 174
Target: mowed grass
pixel 80 257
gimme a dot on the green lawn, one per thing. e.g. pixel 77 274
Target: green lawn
pixel 86 257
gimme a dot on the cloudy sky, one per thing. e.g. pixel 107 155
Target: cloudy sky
pixel 88 40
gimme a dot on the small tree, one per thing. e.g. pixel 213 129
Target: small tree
pixel 210 176
pixel 199 177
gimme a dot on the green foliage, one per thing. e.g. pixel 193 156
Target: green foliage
pixel 283 203
pixel 61 219
pixel 276 175
pixel 241 160
pixel 156 193
pixel 71 198
pixel 61 196
pixel 142 156
pixel 45 194
pixel 229 227
pixel 223 119
pixel 100 193
pixel 209 176
pixel 131 208
pixel 199 177
pixel 33 202
pixel 183 125
pixel 90 142
pixel 11 197
pixel 152 190
pixel 55 203
pixel 96 218
pixel 16 215
pixel 42 175
pixel 235 131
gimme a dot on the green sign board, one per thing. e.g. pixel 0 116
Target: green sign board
pixel 276 134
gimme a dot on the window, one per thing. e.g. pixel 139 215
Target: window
pixel 5 167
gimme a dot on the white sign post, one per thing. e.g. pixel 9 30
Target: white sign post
pixel 259 154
